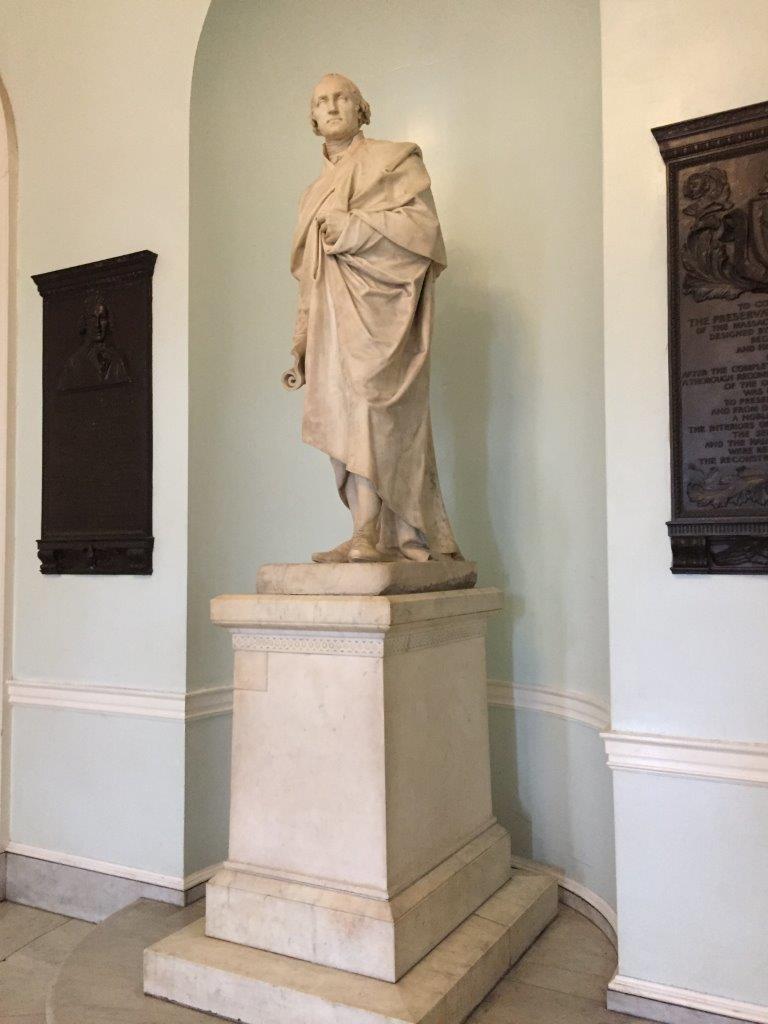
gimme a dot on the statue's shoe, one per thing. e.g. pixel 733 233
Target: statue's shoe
pixel 337 554
pixel 362 550
pixel 414 551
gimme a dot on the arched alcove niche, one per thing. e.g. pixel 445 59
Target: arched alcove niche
pixel 504 99
pixel 7 379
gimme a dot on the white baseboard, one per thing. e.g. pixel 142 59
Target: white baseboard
pixel 715 760
pixel 90 889
pixel 118 870
pixel 601 907
pixel 662 996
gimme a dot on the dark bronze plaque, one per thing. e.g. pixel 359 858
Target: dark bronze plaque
pixel 717 191
pixel 97 417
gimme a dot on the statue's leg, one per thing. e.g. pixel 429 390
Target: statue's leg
pixel 341 552
pixel 365 505
pixel 412 543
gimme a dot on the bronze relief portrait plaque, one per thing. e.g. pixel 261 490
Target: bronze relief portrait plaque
pixel 97 417
pixel 717 193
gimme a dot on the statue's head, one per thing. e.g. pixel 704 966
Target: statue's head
pixel 337 109
pixel 95 321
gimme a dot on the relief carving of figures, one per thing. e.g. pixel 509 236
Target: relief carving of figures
pixel 711 489
pixel 726 251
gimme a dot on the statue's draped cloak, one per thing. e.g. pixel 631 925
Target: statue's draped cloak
pixel 364 327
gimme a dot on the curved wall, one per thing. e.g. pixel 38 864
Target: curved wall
pixel 688 652
pixel 504 99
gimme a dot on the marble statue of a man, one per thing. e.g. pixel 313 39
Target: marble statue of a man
pixel 366 252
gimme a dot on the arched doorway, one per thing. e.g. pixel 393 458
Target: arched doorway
pixel 7 379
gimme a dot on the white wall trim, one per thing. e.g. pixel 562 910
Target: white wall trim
pixel 113 700
pixel 752 1012
pixel 597 902
pixel 215 700
pixel 717 760
pixel 569 704
pixel 119 870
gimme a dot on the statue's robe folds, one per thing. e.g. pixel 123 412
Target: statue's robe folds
pixel 364 327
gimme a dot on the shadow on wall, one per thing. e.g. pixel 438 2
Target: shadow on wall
pixel 477 412
pixel 508 804
pixel 553 794
pixel 462 353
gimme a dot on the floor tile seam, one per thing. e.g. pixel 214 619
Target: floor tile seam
pixel 26 945
pixel 568 995
pixel 576 971
pixel 562 991
pixel 546 956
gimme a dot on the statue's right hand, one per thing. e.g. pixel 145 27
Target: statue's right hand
pixel 294 378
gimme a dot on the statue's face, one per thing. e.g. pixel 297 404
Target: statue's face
pixel 97 323
pixel 334 108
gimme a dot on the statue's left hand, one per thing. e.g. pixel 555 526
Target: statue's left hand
pixel 332 224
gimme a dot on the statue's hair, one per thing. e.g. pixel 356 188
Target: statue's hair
pixel 363 107
pixel 93 299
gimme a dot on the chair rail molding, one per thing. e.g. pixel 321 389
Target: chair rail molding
pixel 568 704
pixel 729 1009
pixel 716 760
pixel 114 700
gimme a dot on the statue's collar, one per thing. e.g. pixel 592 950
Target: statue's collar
pixel 354 144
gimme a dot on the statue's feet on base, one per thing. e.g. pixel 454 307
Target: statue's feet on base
pixel 338 554
pixel 363 549
pixel 360 548
pixel 414 552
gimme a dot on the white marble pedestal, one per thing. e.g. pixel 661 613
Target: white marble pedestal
pixel 361 831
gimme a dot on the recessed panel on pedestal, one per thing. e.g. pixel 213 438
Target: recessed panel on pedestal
pixel 97 417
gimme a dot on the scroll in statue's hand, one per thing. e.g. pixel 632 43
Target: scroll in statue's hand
pixel 294 378
pixel 332 224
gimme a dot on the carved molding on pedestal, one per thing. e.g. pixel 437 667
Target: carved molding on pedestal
pixel 398 640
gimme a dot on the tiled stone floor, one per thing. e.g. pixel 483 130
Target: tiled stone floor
pixel 32 945
pixel 560 980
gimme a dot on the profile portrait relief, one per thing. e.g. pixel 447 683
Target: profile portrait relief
pixel 366 253
pixel 96 362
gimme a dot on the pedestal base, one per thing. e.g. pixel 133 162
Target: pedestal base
pixel 379 938
pixel 366 579
pixel 256 987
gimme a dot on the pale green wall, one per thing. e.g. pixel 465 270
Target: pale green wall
pixel 691 857
pixel 504 98
pixel 688 653
pixel 206 792
pixel 100 95
pixel 101 101
pixel 105 787
pixel 553 793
